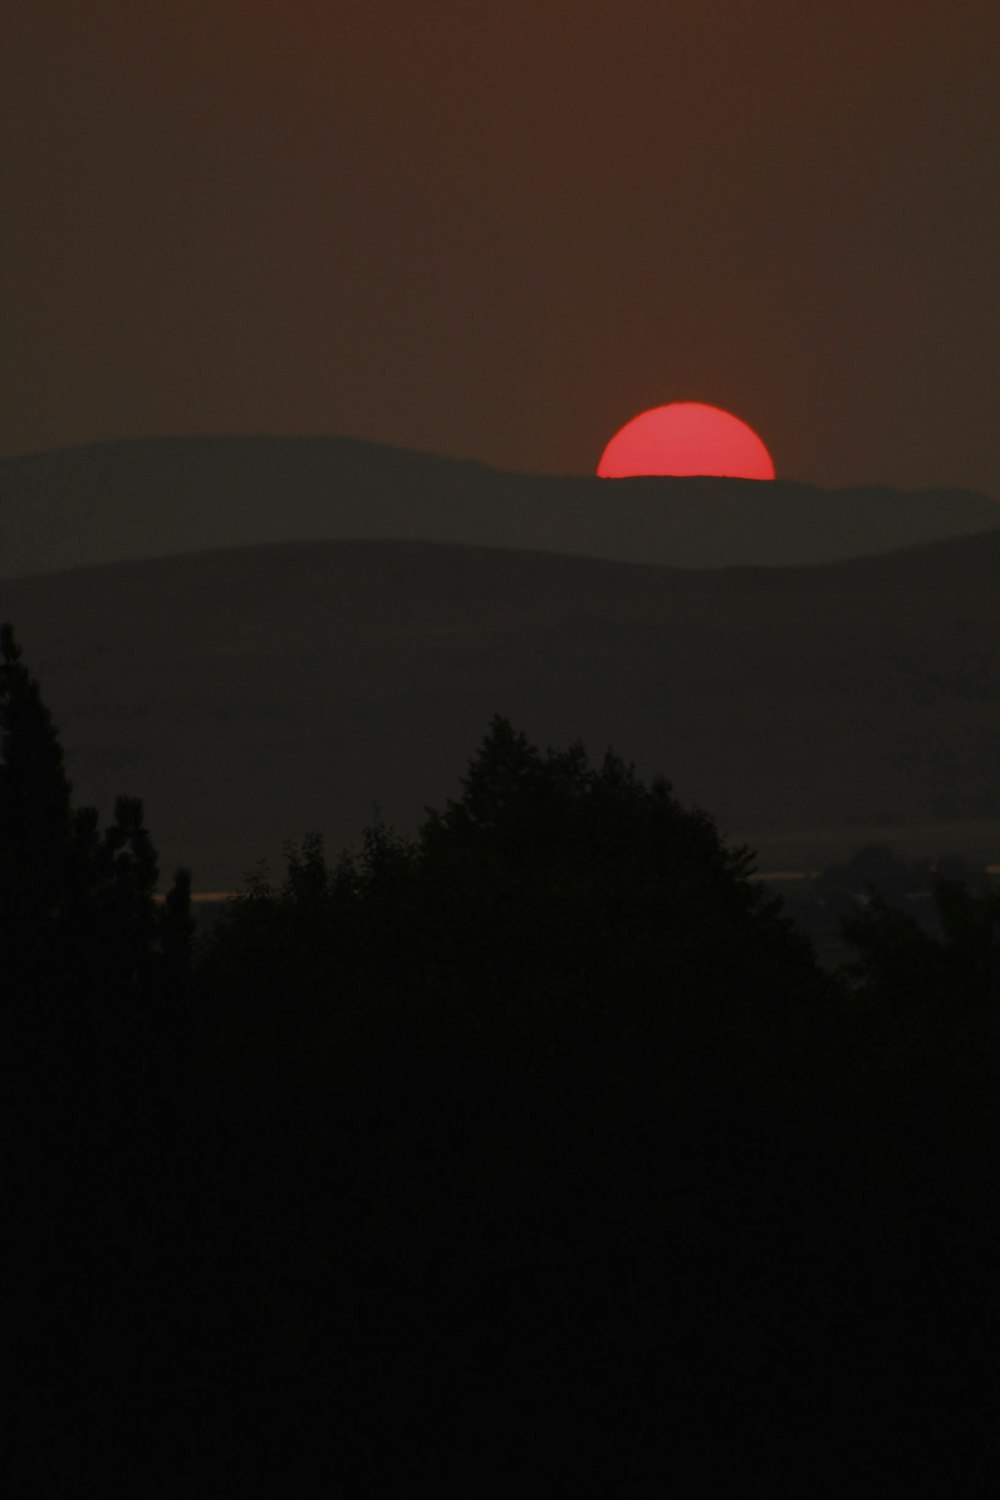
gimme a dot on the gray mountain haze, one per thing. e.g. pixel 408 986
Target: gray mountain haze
pixel 115 502
pixel 254 694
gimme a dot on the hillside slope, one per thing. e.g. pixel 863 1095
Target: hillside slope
pixel 115 502
pixel 253 695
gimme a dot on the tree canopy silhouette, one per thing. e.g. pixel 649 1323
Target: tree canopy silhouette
pixel 94 1020
pixel 549 887
pixel 77 910
pixel 536 1139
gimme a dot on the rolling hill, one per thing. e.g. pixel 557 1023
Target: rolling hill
pixel 254 694
pixel 117 502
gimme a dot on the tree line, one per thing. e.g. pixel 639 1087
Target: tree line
pixel 534 1147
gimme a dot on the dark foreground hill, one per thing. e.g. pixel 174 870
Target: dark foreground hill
pixel 112 502
pixel 253 695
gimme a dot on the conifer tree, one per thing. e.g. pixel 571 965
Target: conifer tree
pixel 77 908
pixel 35 818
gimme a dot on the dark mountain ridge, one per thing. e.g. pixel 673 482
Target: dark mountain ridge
pixel 254 694
pixel 116 502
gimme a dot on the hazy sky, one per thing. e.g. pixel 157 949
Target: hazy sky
pixel 500 230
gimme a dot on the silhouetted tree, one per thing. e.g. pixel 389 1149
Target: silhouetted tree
pixel 926 1055
pixel 584 875
pixel 955 960
pixel 535 1142
pixel 77 909
pixel 515 1047
pixel 548 889
pixel 94 988
pixel 35 821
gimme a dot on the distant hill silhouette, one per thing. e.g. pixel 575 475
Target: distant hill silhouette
pixel 113 502
pixel 255 694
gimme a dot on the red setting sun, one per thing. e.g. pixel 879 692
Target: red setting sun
pixel 686 437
